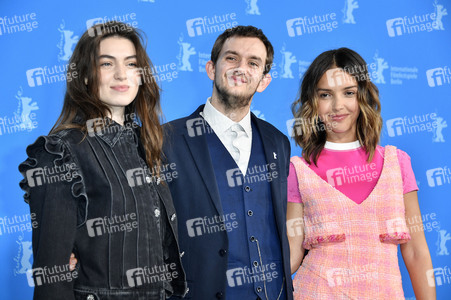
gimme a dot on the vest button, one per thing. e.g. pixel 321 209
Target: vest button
pixel 259 289
pixel 219 295
pixel 250 213
pixel 252 238
pixel 222 252
pixel 247 189
pixel 255 263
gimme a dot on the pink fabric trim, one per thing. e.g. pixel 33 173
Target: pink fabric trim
pixel 308 242
pixel 395 238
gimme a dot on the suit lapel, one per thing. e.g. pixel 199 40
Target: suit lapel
pixel 201 156
pixel 270 150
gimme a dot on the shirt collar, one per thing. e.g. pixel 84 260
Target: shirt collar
pixel 342 146
pixel 112 131
pixel 221 123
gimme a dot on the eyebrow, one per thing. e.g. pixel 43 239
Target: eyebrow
pixel 112 57
pixel 328 90
pixel 236 53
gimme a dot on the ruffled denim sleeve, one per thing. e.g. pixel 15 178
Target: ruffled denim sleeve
pixel 57 198
pixel 50 162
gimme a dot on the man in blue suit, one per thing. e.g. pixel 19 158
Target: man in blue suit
pixel 231 191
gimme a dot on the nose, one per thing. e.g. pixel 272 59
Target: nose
pixel 338 103
pixel 120 73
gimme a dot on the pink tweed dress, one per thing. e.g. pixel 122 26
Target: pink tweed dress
pixel 352 247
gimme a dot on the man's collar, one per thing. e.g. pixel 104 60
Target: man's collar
pixel 221 123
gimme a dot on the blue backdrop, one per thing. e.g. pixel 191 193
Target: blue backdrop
pixel 405 43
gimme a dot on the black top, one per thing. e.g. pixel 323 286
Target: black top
pixel 95 196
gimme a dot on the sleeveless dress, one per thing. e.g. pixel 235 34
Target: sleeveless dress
pixel 352 247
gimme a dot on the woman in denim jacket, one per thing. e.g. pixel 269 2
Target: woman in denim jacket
pixel 95 184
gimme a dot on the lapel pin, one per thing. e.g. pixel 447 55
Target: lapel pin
pixel 275 155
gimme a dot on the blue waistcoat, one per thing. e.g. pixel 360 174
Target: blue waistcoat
pixel 254 253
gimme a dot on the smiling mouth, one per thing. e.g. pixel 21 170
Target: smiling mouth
pixel 120 88
pixel 338 117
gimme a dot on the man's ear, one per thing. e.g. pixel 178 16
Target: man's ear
pixel 210 67
pixel 264 83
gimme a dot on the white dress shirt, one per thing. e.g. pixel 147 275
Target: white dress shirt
pixel 221 125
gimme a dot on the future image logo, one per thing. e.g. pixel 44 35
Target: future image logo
pixel 410 125
pixel 311 25
pixel 438 276
pixel 438 76
pixel 207 25
pixel 438 176
pixel 128 19
pixel 213 224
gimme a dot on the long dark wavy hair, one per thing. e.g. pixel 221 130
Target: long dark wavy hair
pixel 82 102
pixel 311 136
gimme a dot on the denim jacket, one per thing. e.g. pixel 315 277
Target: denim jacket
pixel 95 196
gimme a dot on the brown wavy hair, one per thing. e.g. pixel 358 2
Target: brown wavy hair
pixel 82 102
pixel 311 135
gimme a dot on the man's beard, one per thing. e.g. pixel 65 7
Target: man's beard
pixel 230 101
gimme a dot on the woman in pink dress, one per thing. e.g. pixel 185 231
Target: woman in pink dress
pixel 350 201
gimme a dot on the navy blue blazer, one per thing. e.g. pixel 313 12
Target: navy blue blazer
pixel 195 194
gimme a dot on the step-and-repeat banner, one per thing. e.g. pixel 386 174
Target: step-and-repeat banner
pixel 405 43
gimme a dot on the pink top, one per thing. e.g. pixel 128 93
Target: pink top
pixel 344 166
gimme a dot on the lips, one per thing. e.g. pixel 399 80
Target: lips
pixel 120 88
pixel 338 118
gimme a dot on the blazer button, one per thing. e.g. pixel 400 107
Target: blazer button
pixel 148 179
pixel 250 213
pixel 157 212
pixel 255 263
pixel 90 297
pixel 247 189
pixel 219 295
pixel 252 238
pixel 222 252
pixel 259 289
